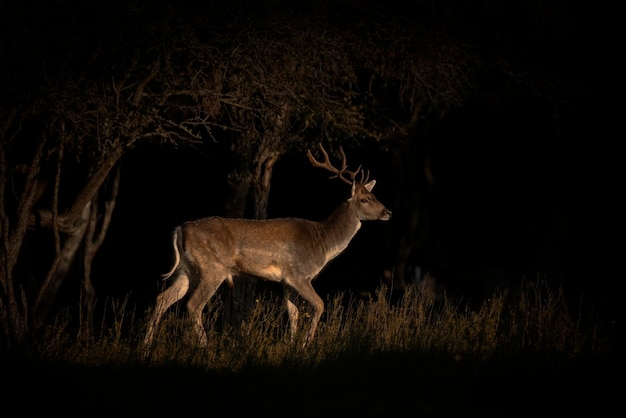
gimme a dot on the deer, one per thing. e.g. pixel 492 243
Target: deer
pixel 292 251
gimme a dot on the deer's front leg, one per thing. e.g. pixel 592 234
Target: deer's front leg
pixel 306 291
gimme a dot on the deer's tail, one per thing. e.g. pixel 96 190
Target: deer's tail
pixel 176 243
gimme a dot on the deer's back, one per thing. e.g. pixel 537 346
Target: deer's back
pixel 267 231
pixel 271 248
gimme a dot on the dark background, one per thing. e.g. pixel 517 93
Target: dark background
pixel 518 196
pixel 511 204
pixel 520 192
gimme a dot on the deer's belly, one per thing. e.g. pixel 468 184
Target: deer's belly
pixel 279 264
pixel 273 273
pixel 265 269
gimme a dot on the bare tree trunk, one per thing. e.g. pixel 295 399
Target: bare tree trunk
pixel 66 255
pixel 13 303
pixel 93 240
pixel 262 182
pixel 18 313
pixel 58 271
pixel 239 183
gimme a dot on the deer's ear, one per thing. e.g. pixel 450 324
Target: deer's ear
pixel 353 189
pixel 369 186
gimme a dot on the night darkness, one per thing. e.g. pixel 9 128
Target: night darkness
pixel 525 179
pixel 526 207
pixel 509 169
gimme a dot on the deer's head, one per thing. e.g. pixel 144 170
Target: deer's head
pixel 367 206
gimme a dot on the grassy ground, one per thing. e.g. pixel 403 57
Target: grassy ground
pixel 531 355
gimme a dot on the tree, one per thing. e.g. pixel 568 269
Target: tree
pixel 93 107
pixel 244 80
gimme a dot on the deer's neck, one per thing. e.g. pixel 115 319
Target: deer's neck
pixel 339 228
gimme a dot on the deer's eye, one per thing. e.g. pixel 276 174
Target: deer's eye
pixel 365 200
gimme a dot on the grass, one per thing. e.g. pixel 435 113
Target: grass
pixel 422 356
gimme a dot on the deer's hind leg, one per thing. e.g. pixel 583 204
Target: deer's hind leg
pixel 209 280
pixel 290 297
pixel 165 299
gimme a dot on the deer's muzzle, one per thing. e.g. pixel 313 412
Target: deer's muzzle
pixel 385 215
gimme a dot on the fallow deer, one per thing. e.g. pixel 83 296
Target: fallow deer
pixel 291 251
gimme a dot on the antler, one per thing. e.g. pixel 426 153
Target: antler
pixel 338 172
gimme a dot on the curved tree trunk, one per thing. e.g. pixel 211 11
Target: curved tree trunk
pixel 22 313
pixel 13 301
pixel 61 265
pixel 262 182
pixel 82 236
pixel 94 238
